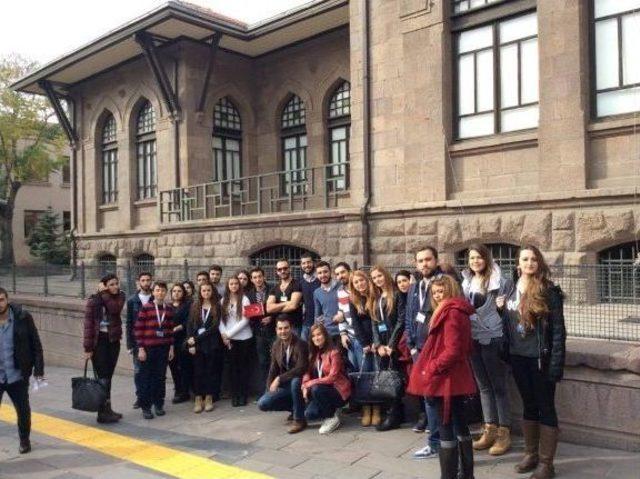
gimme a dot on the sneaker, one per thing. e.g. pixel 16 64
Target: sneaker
pixel 147 414
pixel 331 424
pixel 160 411
pixel 425 453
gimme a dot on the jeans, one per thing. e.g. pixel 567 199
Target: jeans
pixel 355 354
pixel 304 332
pixel 153 377
pixel 19 394
pixel 536 391
pixel 105 358
pixel 240 365
pixel 491 375
pixel 457 426
pixel 288 397
pixel 435 423
pixel 323 402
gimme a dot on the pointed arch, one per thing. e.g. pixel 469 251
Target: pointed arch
pixel 138 96
pixel 106 103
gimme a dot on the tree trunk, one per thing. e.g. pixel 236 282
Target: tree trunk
pixel 6 226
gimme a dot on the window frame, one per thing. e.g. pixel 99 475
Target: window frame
pixel 35 216
pixel 146 151
pixel 226 134
pixel 297 131
pixel 109 162
pixel 336 122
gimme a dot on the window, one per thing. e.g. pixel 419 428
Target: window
pixel 497 75
pixel 66 221
pixel 146 151
pixel 460 6
pixel 106 264
pixel 619 274
pixel 617 65
pixel 109 161
pixel 143 262
pixel 504 254
pixel 294 146
pixel 268 257
pixel 31 219
pixel 227 137
pixel 339 123
pixel 66 170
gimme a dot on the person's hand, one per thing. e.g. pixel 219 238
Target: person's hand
pixel 142 355
pixel 382 351
pixel 500 301
pixel 101 287
pixel 191 341
pixel 129 351
pixel 177 328
pixel 225 338
pixel 192 351
pixel 171 353
pixel 274 385
pixel 366 349
pixel 389 350
pixel 227 343
pixel 344 339
pixel 266 320
pixel 414 355
pixel 88 355
pixel 305 394
pixel 339 317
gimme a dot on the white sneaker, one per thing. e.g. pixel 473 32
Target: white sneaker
pixel 331 424
pixel 425 453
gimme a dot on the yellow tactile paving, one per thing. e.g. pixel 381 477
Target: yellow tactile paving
pixel 156 457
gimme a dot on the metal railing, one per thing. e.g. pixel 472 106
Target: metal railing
pixel 278 192
pixel 601 301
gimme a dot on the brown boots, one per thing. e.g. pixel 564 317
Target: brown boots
pixel 540 443
pixel 371 415
pixel 502 443
pixel 488 437
pixel 198 405
pixel 531 433
pixel 208 403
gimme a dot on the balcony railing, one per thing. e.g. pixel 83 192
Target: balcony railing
pixel 287 191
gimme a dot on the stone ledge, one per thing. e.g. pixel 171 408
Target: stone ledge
pixel 604 355
pixel 57 302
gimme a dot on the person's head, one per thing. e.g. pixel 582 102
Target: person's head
pixel 323 272
pixel 427 261
pixel 403 280
pixel 233 286
pixel 533 304
pixel 232 289
pixel 361 291
pixel 243 276
pixel 257 277
pixel 319 339
pixel 480 262
pixel 283 270
pixel 178 293
pixel 215 273
pixel 443 288
pixel 159 291
pixel 306 263
pixel 342 272
pixel 145 280
pixel 205 298
pixel 4 300
pixel 531 263
pixel 205 292
pixel 189 288
pixel 202 277
pixel 384 285
pixel 111 283
pixel 283 327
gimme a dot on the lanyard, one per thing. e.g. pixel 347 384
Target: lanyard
pixel 288 355
pixel 205 316
pixel 319 367
pixel 422 293
pixel 160 318
pixel 382 318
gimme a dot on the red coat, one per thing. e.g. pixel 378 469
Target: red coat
pixel 332 373
pixel 443 369
pixel 97 305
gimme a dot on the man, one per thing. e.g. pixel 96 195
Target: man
pixel 201 278
pixel 289 361
pixel 154 338
pixel 309 284
pixel 134 305
pixel 325 300
pixel 348 338
pixel 286 296
pixel 417 316
pixel 215 275
pixel 20 356
pixel 264 329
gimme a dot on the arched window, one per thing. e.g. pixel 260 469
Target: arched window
pixel 294 146
pixel 106 264
pixel 143 262
pixel 268 257
pixel 109 154
pixel 619 278
pixel 339 123
pixel 504 254
pixel 146 152
pixel 227 140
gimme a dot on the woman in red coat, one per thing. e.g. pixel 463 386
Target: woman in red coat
pixel 443 374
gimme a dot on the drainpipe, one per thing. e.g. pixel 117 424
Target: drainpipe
pixel 176 128
pixel 366 133
pixel 74 195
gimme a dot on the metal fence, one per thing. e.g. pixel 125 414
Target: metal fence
pixel 601 301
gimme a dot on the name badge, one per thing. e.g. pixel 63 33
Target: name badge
pixel 382 328
pixel 200 331
pixel 283 298
pixel 421 318
pixel 160 333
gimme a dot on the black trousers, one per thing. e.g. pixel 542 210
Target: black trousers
pixel 264 341
pixel 218 371
pixel 19 394
pixel 240 366
pixel 181 368
pixel 105 358
pixel 153 377
pixel 204 374
pixel 537 392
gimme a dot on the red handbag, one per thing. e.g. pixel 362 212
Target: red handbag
pixel 254 311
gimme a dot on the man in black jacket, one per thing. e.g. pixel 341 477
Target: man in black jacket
pixel 20 356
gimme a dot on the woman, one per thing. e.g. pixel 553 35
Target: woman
pixel 387 328
pixel 361 302
pixel 102 334
pixel 535 339
pixel 180 366
pixel 482 284
pixel 203 342
pixel 243 276
pixel 237 336
pixel 189 289
pixel 442 373
pixel 325 386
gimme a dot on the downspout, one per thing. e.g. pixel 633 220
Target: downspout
pixel 74 196
pixel 366 131
pixel 176 128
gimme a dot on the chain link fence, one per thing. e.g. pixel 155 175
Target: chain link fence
pixel 601 301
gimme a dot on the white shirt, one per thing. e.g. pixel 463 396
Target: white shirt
pixel 144 298
pixel 237 326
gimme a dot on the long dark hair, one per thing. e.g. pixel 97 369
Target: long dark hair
pixel 485 254
pixel 226 299
pixel 315 351
pixel 184 293
pixel 533 304
pixel 196 307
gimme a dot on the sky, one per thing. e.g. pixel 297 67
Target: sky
pixel 43 30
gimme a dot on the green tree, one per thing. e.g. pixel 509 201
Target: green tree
pixel 30 144
pixel 48 241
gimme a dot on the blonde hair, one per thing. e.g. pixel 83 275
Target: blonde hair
pixel 388 290
pixel 364 304
pixel 451 289
pixel 533 303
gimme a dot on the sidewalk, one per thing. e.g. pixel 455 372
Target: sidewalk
pixel 256 441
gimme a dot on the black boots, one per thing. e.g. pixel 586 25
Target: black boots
pixel 106 415
pixel 456 459
pixel 465 449
pixel 393 419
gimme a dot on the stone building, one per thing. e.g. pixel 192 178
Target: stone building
pixel 357 130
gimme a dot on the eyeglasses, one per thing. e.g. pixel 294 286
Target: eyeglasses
pixel 280 270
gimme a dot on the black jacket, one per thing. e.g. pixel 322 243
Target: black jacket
pixel 256 323
pixel 210 339
pixel 27 349
pixel 394 323
pixel 361 326
pixel 134 305
pixel 551 333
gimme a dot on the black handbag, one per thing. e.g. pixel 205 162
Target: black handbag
pixel 88 394
pixel 376 387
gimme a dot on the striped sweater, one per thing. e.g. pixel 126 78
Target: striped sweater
pixel 146 329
